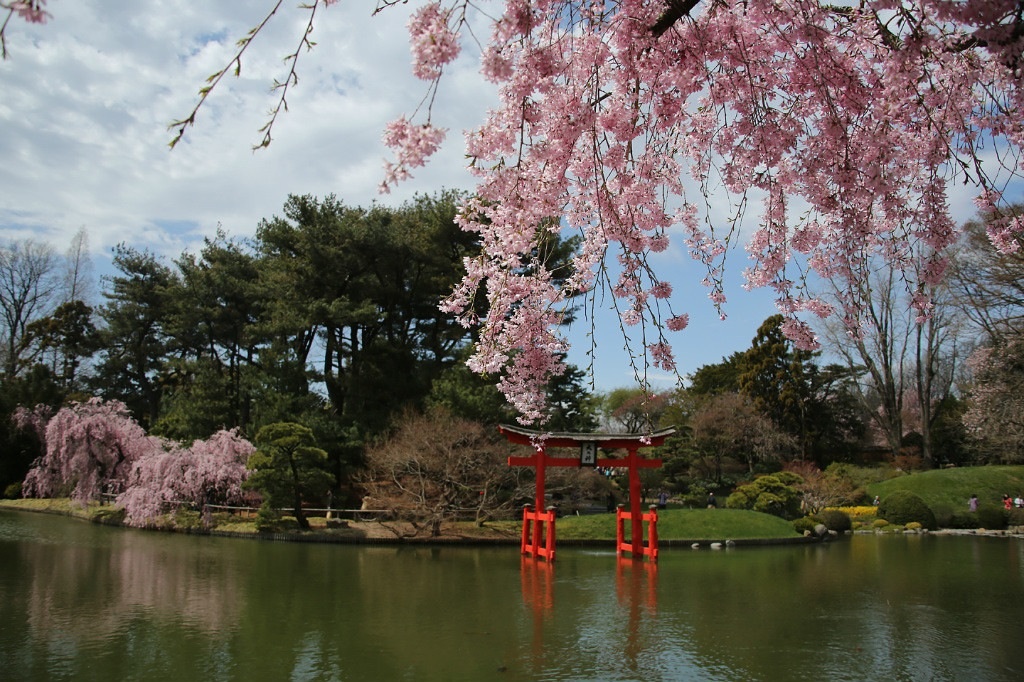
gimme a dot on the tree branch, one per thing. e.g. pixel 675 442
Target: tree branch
pixel 674 11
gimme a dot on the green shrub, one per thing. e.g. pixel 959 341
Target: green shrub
pixel 903 506
pixel 1015 517
pixel 13 491
pixel 110 515
pixel 804 525
pixel 879 523
pixel 789 478
pixel 991 517
pixel 694 500
pixel 913 525
pixel 944 514
pixel 835 519
pixel 268 519
pixel 187 519
pixel 740 499
pixel 768 494
pixel 961 520
pixel 770 503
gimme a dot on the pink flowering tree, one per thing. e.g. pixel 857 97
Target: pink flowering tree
pixel 995 403
pixel 90 449
pixel 841 125
pixel 96 447
pixel 34 420
pixel 208 472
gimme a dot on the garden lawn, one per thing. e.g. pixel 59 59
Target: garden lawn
pixel 685 524
pixel 950 489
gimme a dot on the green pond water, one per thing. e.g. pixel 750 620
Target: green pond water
pixel 85 602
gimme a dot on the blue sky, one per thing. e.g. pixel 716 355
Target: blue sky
pixel 87 99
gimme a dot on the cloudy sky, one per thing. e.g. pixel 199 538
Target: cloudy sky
pixel 86 99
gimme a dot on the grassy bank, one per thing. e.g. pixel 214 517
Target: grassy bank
pixel 952 488
pixel 673 524
pixel 686 524
pixel 946 491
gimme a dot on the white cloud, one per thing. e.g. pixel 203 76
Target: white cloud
pixel 89 95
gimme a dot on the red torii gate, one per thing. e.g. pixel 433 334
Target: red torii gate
pixel 535 541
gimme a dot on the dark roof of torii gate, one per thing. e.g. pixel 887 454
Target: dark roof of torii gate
pixel 554 439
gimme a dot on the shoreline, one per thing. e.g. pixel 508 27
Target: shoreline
pixel 380 533
pixel 383 534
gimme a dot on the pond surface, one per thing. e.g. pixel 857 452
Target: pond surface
pixel 85 602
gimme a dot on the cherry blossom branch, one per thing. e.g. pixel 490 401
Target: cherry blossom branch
pixel 234 66
pixel 180 126
pixel 29 10
pixel 291 79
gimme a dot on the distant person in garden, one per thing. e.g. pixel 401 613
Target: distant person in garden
pixel 972 504
pixel 1007 502
pixel 876 501
pixel 712 502
pixel 1018 501
pixel 662 499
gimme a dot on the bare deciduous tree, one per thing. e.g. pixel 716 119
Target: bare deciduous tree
pixel 437 465
pixel 28 289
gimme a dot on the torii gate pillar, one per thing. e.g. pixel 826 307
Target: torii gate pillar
pixel 538 537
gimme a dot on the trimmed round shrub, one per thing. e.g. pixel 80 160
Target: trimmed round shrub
pixel 991 517
pixel 835 519
pixel 903 506
pixel 13 491
pixel 804 525
pixel 879 523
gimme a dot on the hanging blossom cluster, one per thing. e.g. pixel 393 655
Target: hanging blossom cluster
pixel 434 43
pixel 846 123
pixel 414 144
pixel 88 449
pixel 30 10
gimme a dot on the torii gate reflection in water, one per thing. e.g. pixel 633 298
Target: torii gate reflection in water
pixel 538 536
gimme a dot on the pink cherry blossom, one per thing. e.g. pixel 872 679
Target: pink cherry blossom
pixel 433 43
pixel 90 449
pixel 95 447
pixel 29 10
pixel 413 144
pixel 613 112
pixel 832 133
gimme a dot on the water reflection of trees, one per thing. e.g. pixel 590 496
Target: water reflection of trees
pixel 250 610
pixel 181 585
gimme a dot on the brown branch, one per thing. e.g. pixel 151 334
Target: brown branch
pixel 3 34
pixel 674 11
